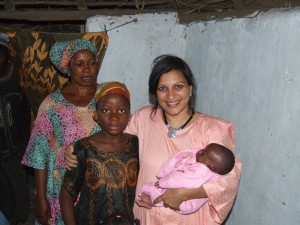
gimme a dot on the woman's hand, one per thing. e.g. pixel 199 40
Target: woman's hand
pixel 173 197
pixel 42 211
pixel 70 159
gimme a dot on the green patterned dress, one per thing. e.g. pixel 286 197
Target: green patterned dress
pixel 58 124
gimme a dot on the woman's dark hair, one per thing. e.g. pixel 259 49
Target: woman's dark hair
pixel 164 64
pixel 117 219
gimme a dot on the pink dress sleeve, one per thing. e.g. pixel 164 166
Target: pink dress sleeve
pixel 222 192
pixel 191 206
pixel 132 126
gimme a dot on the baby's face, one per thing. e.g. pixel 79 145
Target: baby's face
pixel 210 158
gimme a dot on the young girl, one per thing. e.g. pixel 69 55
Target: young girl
pixel 107 168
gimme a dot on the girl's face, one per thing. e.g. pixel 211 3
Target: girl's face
pixel 173 93
pixel 113 112
pixel 83 68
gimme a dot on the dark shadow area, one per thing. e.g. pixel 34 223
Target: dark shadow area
pixel 31 187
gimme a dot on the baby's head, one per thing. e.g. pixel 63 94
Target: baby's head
pixel 217 158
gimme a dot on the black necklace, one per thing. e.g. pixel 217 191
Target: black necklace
pixel 172 131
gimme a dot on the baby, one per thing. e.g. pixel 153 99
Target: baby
pixel 189 168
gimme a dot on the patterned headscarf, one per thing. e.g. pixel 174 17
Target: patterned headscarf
pixel 4 39
pixel 62 52
pixel 113 87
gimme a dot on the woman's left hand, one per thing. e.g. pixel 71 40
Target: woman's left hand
pixel 173 197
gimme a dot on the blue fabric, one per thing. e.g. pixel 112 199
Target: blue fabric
pixel 3 220
pixel 4 39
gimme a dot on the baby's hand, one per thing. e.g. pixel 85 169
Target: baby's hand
pixel 145 201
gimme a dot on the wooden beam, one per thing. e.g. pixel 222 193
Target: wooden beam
pixel 238 4
pixel 81 4
pixel 64 15
pixel 9 5
pixel 84 4
pixel 186 19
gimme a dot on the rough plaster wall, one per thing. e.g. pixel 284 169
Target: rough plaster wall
pixel 248 71
pixel 133 46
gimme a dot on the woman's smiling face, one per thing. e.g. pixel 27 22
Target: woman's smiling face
pixel 173 93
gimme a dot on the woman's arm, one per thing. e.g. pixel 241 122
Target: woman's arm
pixel 66 206
pixel 221 194
pixel 175 196
pixel 43 209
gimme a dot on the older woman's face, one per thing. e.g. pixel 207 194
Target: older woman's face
pixel 83 68
pixel 173 93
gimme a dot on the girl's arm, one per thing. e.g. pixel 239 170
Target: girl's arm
pixel 42 206
pixel 66 206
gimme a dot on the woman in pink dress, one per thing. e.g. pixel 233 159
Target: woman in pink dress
pixel 166 127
